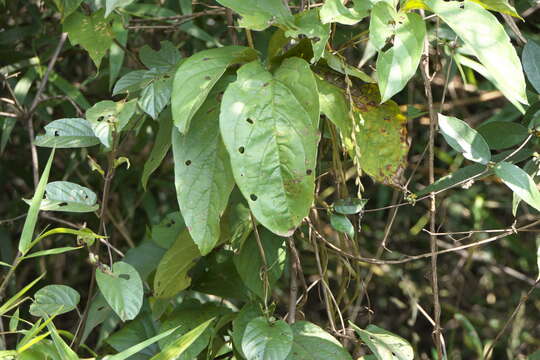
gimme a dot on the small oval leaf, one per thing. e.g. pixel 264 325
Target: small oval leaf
pixel 519 182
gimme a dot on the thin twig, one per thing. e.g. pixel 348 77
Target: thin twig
pixel 264 268
pixel 293 291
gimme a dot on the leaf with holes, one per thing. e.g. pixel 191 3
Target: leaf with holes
pixel 464 139
pixel 486 38
pixel 272 141
pixel 166 232
pixel 197 75
pixel 249 263
pixel 67 133
pixel 310 342
pixel 69 197
pixel 92 32
pixel 519 182
pixel 203 175
pixel 309 24
pixel 260 14
pixel 384 344
pixel 122 288
pixel 107 117
pixel 172 271
pixel 336 11
pixel 54 300
pixel 265 340
pixel 397 65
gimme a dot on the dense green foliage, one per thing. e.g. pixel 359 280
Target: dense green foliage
pixel 269 179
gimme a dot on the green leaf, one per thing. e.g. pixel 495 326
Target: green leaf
pixel 472 340
pixel 98 313
pixel 64 351
pixel 135 349
pixel 337 63
pixel 502 6
pixel 163 60
pixel 381 24
pixel 531 64
pixel 397 65
pixel 249 263
pixel 464 139
pixel 172 272
pixel 166 232
pixel 66 7
pixel 474 24
pixel 132 81
pixel 107 117
pixel 133 333
pixel 272 142
pixel 203 175
pixel 69 89
pixel 308 23
pixel 538 257
pixel 260 14
pixel 110 5
pixel 519 182
pixel 8 124
pixel 116 53
pixel 349 206
pixel 55 251
pixel 503 134
pixel 31 218
pixel 67 133
pixel 342 224
pixel 310 342
pixel 92 32
pixel 162 144
pixel 12 301
pixel 249 312
pixel 69 197
pixel 122 288
pixel 54 299
pixel 335 11
pixel 156 95
pixel 264 340
pixel 197 75
pixel 178 347
pixel 532 168
pixel 384 344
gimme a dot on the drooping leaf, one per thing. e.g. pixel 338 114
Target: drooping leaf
pixel 249 262
pixel 397 65
pixel 336 11
pixel 107 117
pixel 172 272
pixel 472 340
pixel 264 340
pixel 54 299
pixel 349 206
pixel 531 64
pixel 272 142
pixel 197 75
pixel 92 32
pixel 337 63
pixel 156 95
pixel 98 313
pixel 308 23
pixel 502 6
pixel 310 342
pixel 532 168
pixel 67 133
pixel 385 345
pixel 161 146
pixel 163 60
pixel 64 351
pixel 69 197
pixel 249 312
pixel 503 134
pixel 122 288
pixel 203 175
pixel 464 139
pixel 178 347
pixel 475 25
pixel 519 182
pixel 342 224
pixel 260 14
pixel 31 218
pixel 55 251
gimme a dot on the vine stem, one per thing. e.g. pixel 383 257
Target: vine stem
pixel 293 291
pixel 264 269
pixel 424 66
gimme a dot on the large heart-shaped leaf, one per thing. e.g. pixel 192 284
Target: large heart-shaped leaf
pixel 172 272
pixel 203 175
pixel 67 133
pixel 122 288
pixel 69 197
pixel 260 14
pixel 264 340
pixel 272 141
pixel 464 139
pixel 520 182
pixel 313 343
pixel 384 344
pixel 488 41
pixel 197 76
pixel 54 299
pixel 249 312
